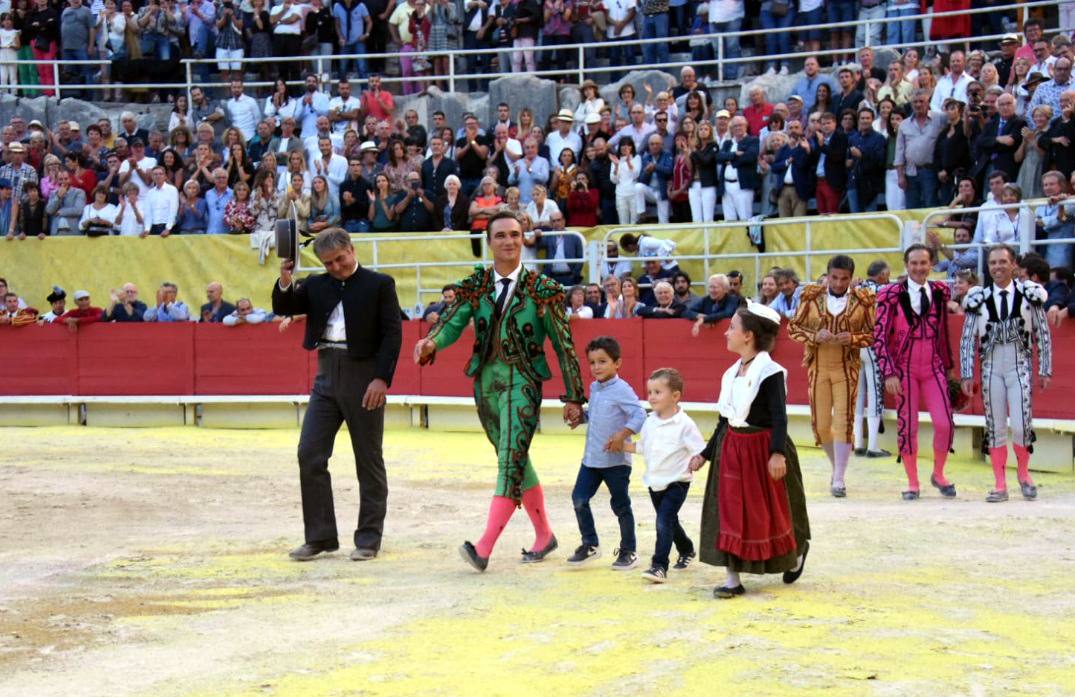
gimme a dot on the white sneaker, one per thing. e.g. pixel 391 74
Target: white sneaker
pixel 770 71
pixel 783 70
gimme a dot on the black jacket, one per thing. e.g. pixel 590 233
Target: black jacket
pixel 371 312
pixel 835 158
pixel 704 164
pixel 1005 154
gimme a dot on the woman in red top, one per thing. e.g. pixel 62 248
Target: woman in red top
pixel 485 204
pixel 680 184
pixel 81 178
pixel 583 203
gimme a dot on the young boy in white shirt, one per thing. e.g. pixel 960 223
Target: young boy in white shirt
pixel 668 441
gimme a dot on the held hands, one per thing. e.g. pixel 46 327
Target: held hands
pixel 375 398
pixel 573 414
pixel 778 466
pixel 697 462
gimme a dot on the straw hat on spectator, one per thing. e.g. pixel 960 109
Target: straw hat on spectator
pixel 566 115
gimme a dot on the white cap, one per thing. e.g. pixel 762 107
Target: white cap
pixel 763 311
pixel 368 145
pixel 79 294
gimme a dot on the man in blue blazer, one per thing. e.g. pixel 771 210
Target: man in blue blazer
pixel 1000 138
pixel 793 172
pixel 866 149
pixel 737 172
pixel 560 246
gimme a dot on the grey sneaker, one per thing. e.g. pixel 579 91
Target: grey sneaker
pixel 583 554
pixel 655 574
pixel 624 560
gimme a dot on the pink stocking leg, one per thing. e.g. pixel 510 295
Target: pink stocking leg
pixel 500 511
pixel 534 503
pixel 1022 461
pixel 910 464
pixel 999 458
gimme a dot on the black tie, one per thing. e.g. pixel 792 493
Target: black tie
pixel 1003 305
pixel 502 299
pixel 924 306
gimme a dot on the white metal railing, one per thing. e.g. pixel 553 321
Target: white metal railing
pixel 1026 230
pixel 708 255
pixel 376 240
pixel 581 51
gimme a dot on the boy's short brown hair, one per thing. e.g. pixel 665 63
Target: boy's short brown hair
pixel 670 376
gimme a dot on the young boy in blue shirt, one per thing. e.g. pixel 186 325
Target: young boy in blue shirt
pixel 614 415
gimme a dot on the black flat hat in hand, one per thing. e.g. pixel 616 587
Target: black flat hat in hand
pixel 287 240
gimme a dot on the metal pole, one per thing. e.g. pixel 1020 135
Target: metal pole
pixel 720 59
pixel 582 64
pixel 451 73
pixel 56 78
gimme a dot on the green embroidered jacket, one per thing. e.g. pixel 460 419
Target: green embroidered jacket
pixel 534 312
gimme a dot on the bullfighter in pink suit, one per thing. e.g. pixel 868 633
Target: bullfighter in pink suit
pixel 914 356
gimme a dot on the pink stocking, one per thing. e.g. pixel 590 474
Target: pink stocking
pixel 999 458
pixel 910 464
pixel 500 511
pixel 1022 461
pixel 534 503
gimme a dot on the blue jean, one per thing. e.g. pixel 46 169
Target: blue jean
pixel 901 33
pixel 356 225
pixel 731 45
pixel 667 504
pixel 620 54
pixel 921 189
pixel 777 43
pixel 477 63
pixel 468 185
pixel 618 480
pixel 857 206
pixel 85 72
pixel 1058 255
pixel 358 64
pixel 154 44
pixel 655 27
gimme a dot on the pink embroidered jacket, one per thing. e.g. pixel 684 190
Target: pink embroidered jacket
pixel 896 323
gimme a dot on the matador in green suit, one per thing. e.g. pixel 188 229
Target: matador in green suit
pixel 513 311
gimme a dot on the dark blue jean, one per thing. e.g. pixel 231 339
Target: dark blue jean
pixel 922 190
pixel 617 479
pixel 655 27
pixel 477 63
pixel 777 43
pixel 667 504
pixel 859 206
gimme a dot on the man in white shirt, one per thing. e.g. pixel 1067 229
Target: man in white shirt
pixel 953 85
pixel 564 137
pixel 638 130
pixel 162 204
pixel 621 26
pixel 310 140
pixel 1002 323
pixel 243 110
pixel 138 169
pixel 726 17
pixel 314 103
pixel 329 165
pixel 343 110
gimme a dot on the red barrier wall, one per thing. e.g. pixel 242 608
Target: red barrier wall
pixel 190 359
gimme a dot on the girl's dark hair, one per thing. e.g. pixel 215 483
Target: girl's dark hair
pixel 764 330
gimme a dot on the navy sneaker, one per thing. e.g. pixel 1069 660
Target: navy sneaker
pixel 583 554
pixel 655 574
pixel 625 560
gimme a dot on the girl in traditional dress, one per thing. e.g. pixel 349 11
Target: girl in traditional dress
pixel 754 513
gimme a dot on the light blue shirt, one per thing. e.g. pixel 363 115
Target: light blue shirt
pixel 806 88
pixel 175 312
pixel 613 406
pixel 215 204
pixel 785 306
pixel 538 174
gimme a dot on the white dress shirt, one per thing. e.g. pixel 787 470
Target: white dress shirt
pixel 1008 300
pixel 307 114
pixel 244 114
pixel 162 206
pixel 836 305
pixel 915 291
pixel 513 276
pixel 335 172
pixel 338 105
pixel 336 327
pixel 668 446
pixel 948 88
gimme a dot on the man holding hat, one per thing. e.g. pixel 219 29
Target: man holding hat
pixel 84 313
pixel 563 137
pixel 1009 44
pixel 17 171
pixel 592 130
pixel 58 300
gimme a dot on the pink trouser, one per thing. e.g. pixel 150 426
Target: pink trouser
pixel 924 380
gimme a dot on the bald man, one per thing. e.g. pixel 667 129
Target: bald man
pixel 217 308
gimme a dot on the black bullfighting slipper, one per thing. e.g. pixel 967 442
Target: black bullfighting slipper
pixel 910 495
pixel 1030 492
pixel 470 556
pixel 838 491
pixel 310 550
pixel 724 592
pixel 878 453
pixel 948 490
pixel 532 557
pixel 859 452
pixel 793 575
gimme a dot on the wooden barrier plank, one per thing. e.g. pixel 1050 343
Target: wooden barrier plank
pixel 130 359
pixel 248 360
pixel 41 360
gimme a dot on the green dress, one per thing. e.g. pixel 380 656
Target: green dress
pixel 508 363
